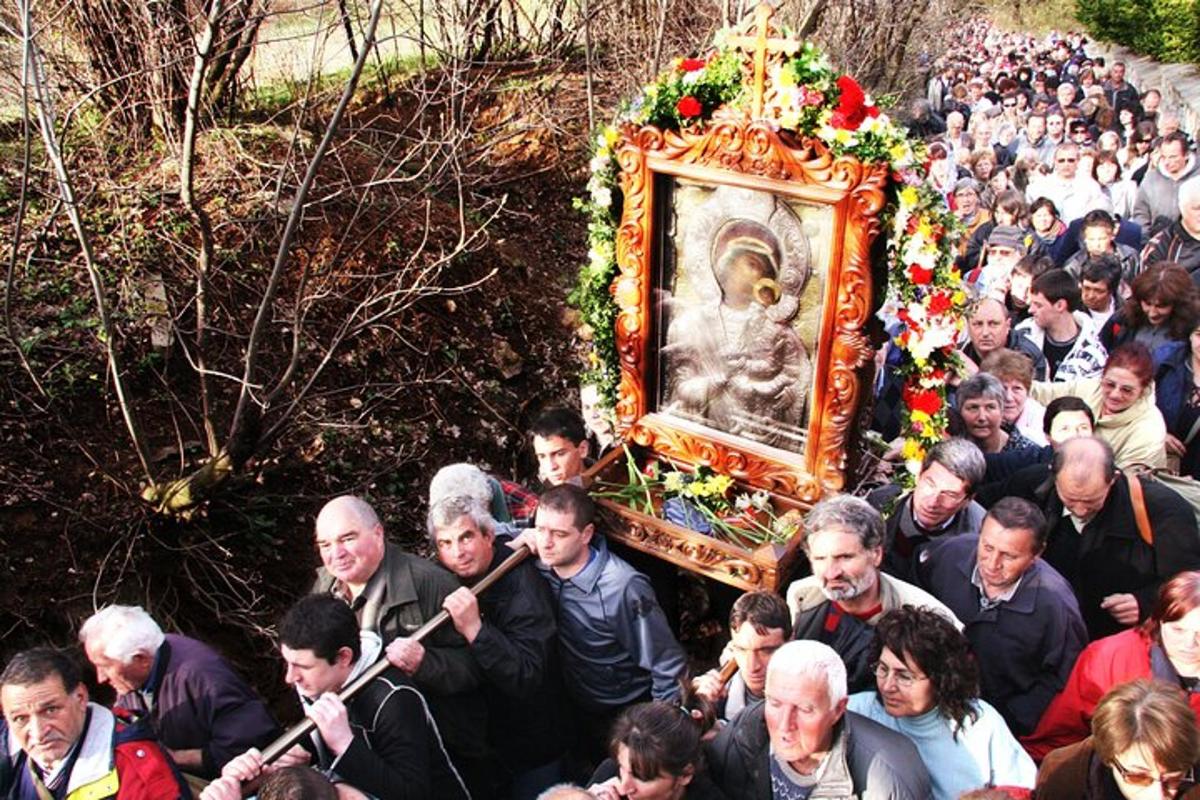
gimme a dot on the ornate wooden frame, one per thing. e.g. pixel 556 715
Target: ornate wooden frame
pixel 753 154
pixel 745 150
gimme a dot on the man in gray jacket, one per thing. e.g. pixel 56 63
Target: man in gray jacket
pixel 801 742
pixel 1157 203
pixel 617 648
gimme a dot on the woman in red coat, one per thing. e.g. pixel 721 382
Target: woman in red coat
pixel 1166 646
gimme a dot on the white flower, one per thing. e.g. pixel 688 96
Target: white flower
pixel 761 500
pixel 602 196
pixel 599 163
pixel 691 77
pixel 742 502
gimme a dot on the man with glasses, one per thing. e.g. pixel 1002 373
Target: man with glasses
pixel 759 624
pixel 846 594
pixel 940 505
pixel 1157 203
pixel 1114 564
pixel 1073 194
pixel 1020 615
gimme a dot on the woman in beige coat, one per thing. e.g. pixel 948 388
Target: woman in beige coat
pixel 1122 399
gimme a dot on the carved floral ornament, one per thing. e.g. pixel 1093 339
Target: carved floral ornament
pixel 764 115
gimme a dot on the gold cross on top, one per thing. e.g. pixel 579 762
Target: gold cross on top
pixel 760 44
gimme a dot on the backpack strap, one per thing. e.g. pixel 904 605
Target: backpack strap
pixel 1139 509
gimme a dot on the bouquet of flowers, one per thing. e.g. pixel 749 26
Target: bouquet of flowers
pixel 703 501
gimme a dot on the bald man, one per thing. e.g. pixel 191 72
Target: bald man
pixel 393 594
pixel 1114 567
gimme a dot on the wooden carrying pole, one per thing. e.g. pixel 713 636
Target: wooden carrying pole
pixel 728 670
pixel 294 734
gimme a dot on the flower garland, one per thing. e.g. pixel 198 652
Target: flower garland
pixel 810 99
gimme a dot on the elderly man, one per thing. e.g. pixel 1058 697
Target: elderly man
pixel 989 329
pixel 1073 194
pixel 1179 242
pixel 194 701
pixel 847 594
pixel 1114 564
pixel 1120 93
pixel 1157 203
pixel 617 648
pixel 62 746
pixel 511 631
pixel 383 741
pixel 759 624
pixel 802 742
pixel 941 504
pixel 393 594
pixel 1020 615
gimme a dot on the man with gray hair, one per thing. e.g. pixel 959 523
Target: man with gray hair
pixel 802 742
pixel 511 632
pixel 941 504
pixel 1179 242
pixel 846 594
pixel 202 711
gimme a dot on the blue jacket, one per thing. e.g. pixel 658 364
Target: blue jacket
pixel 616 645
pixel 1025 646
pixel 200 702
pixel 1172 381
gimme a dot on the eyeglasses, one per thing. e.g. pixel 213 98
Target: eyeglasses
pixel 1065 160
pixel 904 678
pixel 1013 104
pixel 1141 780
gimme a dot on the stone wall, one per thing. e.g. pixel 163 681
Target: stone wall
pixel 1178 83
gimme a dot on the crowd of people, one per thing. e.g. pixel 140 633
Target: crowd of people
pixel 1024 622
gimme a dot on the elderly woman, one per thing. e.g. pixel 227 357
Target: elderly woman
pixel 656 755
pixel 1122 399
pixel 1163 647
pixel 1144 743
pixel 927 688
pixel 1014 370
pixel 1177 395
pixel 1162 308
pixel 981 401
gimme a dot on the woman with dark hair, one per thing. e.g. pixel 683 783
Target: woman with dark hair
pixel 1144 743
pixel 1163 647
pixel 1161 308
pixel 656 754
pixel 927 687
pixel 1177 395
pixel 1122 400
pixel 1049 231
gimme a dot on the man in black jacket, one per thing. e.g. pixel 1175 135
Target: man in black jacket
pixel 1114 564
pixel 384 742
pixel 511 632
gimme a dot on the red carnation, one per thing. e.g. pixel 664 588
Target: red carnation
pixel 852 106
pixel 927 400
pixel 688 106
pixel 851 93
pixel 939 303
pixel 919 275
pixel 693 64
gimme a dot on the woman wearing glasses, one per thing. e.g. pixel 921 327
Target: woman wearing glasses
pixel 927 688
pixel 1165 647
pixel 1122 400
pixel 1144 744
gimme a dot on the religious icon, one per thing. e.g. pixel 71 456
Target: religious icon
pixel 733 358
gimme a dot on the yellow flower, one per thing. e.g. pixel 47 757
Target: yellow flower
pixel 843 136
pixel 919 416
pixel 611 134
pixel 913 451
pixel 789 119
pixel 959 298
pixel 673 481
pixel 909 196
pixel 787 77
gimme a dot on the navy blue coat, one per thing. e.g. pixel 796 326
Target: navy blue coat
pixel 1026 646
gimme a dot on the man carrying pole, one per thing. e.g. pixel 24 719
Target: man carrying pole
pixel 383 741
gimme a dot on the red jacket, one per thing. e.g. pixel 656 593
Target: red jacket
pixel 1102 665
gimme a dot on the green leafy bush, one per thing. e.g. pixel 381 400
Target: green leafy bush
pixel 1168 30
